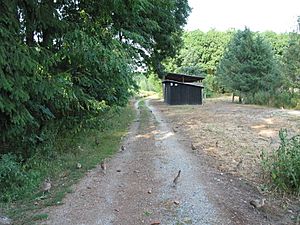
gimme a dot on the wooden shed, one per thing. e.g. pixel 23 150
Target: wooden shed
pixel 180 89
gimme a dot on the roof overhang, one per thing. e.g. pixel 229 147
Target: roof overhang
pixel 183 77
pixel 187 84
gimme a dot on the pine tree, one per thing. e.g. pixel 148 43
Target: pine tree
pixel 248 65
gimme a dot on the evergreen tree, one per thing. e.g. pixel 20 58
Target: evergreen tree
pixel 248 65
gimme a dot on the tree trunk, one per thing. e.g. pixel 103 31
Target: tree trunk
pixel 48 29
pixel 29 23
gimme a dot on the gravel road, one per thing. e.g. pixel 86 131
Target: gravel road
pixel 137 187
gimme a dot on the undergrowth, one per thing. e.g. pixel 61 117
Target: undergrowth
pixel 283 164
pixel 278 99
pixel 20 181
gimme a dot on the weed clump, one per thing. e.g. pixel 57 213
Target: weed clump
pixel 283 164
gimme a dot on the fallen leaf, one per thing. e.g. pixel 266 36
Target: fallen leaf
pixel 155 222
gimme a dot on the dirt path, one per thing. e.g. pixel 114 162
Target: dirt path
pixel 137 187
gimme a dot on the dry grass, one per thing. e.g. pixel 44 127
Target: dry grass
pixel 232 133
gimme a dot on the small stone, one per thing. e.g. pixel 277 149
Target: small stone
pixel 117 210
pixel 136 171
pixel 176 202
pixel 88 187
pixel 187 220
pixel 4 220
pixel 149 191
pixel 118 171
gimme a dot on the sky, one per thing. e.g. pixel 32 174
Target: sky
pixel 258 15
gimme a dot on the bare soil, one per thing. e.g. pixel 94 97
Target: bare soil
pixel 137 187
pixel 232 133
pixel 232 137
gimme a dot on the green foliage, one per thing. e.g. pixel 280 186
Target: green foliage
pixel 42 216
pixel 21 179
pixel 291 63
pixel 152 27
pixel 67 67
pixel 149 83
pixel 283 164
pixel 202 52
pixel 279 42
pixel 14 178
pixel 200 55
pixel 248 65
pixel 69 61
pixel 280 98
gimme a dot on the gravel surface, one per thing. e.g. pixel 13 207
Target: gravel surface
pixel 137 187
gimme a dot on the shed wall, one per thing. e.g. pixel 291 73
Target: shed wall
pixel 181 94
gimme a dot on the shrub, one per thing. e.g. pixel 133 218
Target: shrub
pixel 282 98
pixel 11 176
pixel 283 164
pixel 260 98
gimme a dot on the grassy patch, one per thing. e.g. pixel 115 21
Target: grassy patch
pixel 144 114
pixel 42 216
pixel 87 147
pixel 147 213
pixel 283 164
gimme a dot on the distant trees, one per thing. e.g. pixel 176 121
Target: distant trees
pixel 200 55
pixel 263 68
pixel 277 41
pixel 291 63
pixel 248 65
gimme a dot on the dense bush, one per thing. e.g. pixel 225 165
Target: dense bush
pixel 69 61
pixel 282 98
pixel 283 164
pixel 13 177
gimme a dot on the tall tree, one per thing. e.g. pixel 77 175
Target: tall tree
pixel 248 65
pixel 291 62
pixel 66 60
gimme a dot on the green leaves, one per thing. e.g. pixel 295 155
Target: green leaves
pixel 283 164
pixel 69 60
pixel 291 62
